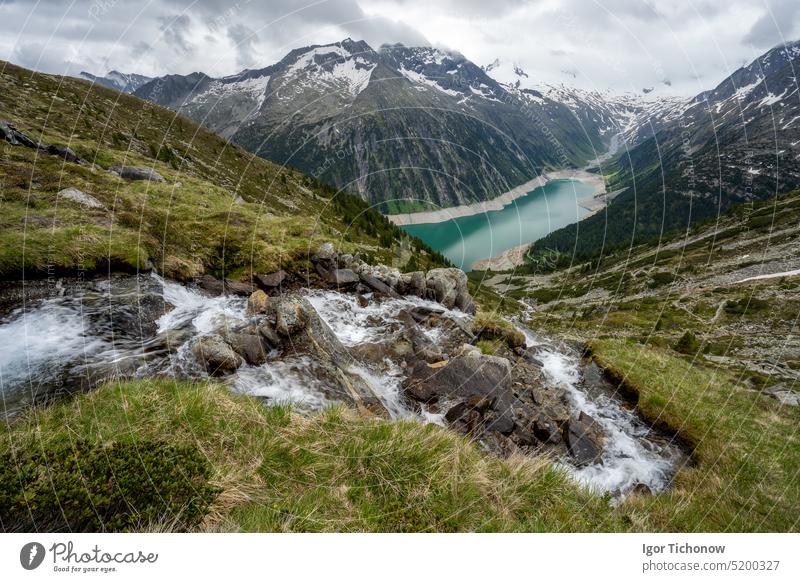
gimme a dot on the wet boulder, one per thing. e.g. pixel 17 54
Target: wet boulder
pixel 257 302
pixel 216 356
pixel 422 348
pixel 291 314
pixel 249 346
pixel 238 288
pixel 268 333
pixel 584 438
pixel 271 280
pixel 413 284
pixel 134 173
pixel 377 285
pixel 210 285
pixel 338 277
pixel 469 377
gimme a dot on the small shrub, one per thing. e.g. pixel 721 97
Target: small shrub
pixel 493 328
pixel 744 305
pixel 662 278
pixel 85 487
pixel 545 295
pixel 488 348
pixel 688 344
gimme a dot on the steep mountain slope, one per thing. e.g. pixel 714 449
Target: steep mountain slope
pixel 70 206
pixel 125 82
pixel 398 124
pixel 736 143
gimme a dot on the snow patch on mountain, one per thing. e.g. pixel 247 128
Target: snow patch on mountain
pixel 332 65
pixel 422 81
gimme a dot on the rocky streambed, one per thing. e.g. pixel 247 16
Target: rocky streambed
pixel 389 344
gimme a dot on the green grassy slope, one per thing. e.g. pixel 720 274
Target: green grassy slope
pixel 702 344
pixel 221 209
pixel 248 467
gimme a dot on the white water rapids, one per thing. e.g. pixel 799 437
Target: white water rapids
pixel 75 341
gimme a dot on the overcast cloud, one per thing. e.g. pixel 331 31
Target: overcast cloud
pixel 625 45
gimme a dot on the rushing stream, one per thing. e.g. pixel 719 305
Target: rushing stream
pixel 144 326
pixel 635 454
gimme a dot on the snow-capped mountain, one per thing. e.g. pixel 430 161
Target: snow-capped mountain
pixel 427 124
pixel 631 117
pixel 125 82
pixel 397 123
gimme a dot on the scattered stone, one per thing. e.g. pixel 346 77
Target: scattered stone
pixel 137 173
pixel 216 356
pixel 546 430
pixel 500 422
pixel 80 197
pixel 783 395
pixel 271 280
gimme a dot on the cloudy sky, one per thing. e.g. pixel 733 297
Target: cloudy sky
pixel 679 46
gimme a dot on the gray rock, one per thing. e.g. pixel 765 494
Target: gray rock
pixel 267 331
pixel 258 302
pixel 465 303
pixel 468 375
pixel 15 137
pixel 546 430
pixel 210 284
pixel 415 284
pixel 343 277
pixel 291 315
pixel 137 173
pixel 445 285
pixel 584 439
pixel 270 280
pixel 64 152
pixel 81 198
pixel 783 395
pixel 238 288
pixel 249 346
pixel 377 285
pixel 216 356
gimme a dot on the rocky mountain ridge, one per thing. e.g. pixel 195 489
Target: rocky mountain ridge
pixel 406 127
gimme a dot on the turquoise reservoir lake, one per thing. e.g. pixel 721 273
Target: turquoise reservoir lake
pixel 467 239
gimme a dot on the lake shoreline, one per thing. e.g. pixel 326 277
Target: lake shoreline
pixel 592 203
